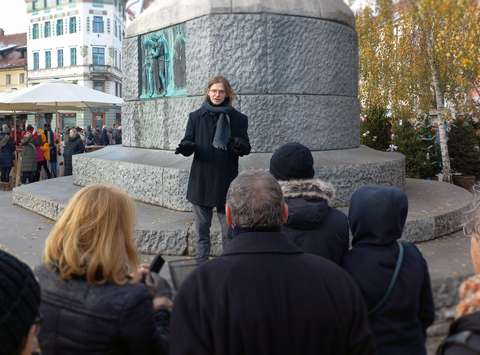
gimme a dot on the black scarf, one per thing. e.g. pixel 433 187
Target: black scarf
pixel 222 131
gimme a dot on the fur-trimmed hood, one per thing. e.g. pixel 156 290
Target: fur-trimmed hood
pixel 312 189
pixel 308 202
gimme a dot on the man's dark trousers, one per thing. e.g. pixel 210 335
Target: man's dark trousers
pixel 203 221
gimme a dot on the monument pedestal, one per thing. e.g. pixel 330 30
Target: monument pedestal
pixel 160 177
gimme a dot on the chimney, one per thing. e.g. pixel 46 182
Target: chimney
pixel 2 32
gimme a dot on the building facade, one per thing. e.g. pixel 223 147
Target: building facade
pixel 13 61
pixel 78 41
pixel 13 70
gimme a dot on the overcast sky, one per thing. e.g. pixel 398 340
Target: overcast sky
pixel 15 19
pixel 13 16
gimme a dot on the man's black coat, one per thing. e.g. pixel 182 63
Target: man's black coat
pixel 213 169
pixel 266 296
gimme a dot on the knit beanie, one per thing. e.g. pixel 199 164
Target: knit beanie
pixel 292 161
pixel 19 302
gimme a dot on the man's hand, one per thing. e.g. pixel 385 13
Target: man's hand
pixel 239 146
pixel 186 148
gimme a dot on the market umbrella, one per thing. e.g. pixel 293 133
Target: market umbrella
pixel 57 94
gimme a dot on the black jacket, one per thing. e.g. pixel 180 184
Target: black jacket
pixel 377 216
pixel 79 318
pixel 463 337
pixel 266 296
pixel 73 146
pixel 312 224
pixel 213 169
pixel 7 148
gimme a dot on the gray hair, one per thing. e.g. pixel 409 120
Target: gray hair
pixel 5 129
pixel 255 199
pixel 471 226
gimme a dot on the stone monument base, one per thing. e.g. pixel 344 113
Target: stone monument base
pixel 160 177
pixel 436 209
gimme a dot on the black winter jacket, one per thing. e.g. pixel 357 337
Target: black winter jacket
pixel 79 318
pixel 72 146
pixel 312 224
pixel 7 148
pixel 377 216
pixel 266 296
pixel 213 169
pixel 463 337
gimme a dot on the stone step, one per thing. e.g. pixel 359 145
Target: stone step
pixel 436 209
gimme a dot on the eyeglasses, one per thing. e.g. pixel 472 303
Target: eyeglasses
pixel 220 92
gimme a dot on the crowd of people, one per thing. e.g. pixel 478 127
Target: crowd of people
pixel 290 279
pixel 42 151
pixel 278 288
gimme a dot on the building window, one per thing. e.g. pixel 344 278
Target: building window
pixel 73 56
pixel 115 29
pixel 47 29
pixel 35 31
pixel 34 5
pixel 8 79
pixel 98 55
pixel 48 59
pixel 21 78
pixel 97 2
pixel 45 4
pixel 60 58
pixel 59 27
pixel 59 2
pixel 36 61
pixel 108 25
pixel 118 89
pixel 97 24
pixel 99 85
pixel 73 25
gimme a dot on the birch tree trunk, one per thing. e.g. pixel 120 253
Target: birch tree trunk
pixel 439 99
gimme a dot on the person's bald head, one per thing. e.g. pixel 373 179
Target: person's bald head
pixel 255 200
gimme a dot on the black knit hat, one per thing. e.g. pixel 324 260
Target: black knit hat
pixel 292 161
pixel 19 302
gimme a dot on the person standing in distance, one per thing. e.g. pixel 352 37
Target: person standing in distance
pixel 217 135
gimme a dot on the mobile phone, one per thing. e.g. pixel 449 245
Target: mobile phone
pixel 157 263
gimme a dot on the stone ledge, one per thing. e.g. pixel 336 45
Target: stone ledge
pixel 160 177
pixel 171 12
pixel 160 230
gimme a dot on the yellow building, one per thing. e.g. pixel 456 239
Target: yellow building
pixel 13 61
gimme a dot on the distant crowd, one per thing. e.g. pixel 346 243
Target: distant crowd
pixel 43 151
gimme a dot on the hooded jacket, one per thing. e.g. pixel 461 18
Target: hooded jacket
pixel 312 224
pixel 377 216
pixel 29 163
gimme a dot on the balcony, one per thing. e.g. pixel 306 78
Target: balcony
pixel 100 69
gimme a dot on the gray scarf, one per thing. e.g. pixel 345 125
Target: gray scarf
pixel 222 131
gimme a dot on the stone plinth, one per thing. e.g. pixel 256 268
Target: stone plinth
pixel 160 177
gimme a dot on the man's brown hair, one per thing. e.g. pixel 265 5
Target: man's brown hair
pixel 230 94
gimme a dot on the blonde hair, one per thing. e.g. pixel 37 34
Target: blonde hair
pixel 94 237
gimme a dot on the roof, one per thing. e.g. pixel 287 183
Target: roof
pixel 10 50
pixel 167 13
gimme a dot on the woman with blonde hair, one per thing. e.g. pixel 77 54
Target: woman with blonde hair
pixel 92 301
